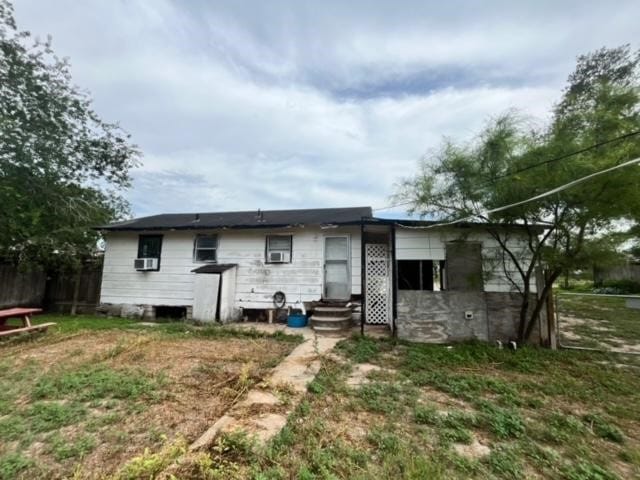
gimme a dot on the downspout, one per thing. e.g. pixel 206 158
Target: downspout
pixel 394 282
pixel 363 277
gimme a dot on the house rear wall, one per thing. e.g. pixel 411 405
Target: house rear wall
pixel 256 281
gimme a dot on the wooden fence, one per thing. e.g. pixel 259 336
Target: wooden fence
pixel 629 271
pixel 63 293
pixel 21 288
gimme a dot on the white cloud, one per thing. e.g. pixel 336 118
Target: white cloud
pixel 242 105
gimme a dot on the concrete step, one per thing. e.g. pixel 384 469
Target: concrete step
pixel 329 329
pixel 332 312
pixel 332 309
pixel 334 324
pixel 315 318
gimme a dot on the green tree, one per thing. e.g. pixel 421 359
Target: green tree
pixel 505 165
pixel 61 166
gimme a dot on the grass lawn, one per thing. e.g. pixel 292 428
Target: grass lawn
pixel 88 403
pixel 598 322
pixel 94 393
pixel 434 412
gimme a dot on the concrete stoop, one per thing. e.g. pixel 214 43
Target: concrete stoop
pixel 331 319
pixel 262 414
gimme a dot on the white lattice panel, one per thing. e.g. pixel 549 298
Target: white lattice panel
pixel 378 283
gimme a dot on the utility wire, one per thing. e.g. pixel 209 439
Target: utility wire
pixel 562 157
pixel 535 165
pixel 532 199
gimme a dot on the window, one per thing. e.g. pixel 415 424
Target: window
pixel 205 248
pixel 150 246
pixel 278 248
pixel 421 275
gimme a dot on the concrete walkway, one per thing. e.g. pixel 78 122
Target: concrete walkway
pixel 264 411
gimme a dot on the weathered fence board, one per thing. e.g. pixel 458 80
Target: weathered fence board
pixel 621 272
pixel 21 288
pixel 64 293
pixel 74 293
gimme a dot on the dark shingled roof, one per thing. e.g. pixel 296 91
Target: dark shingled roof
pixel 251 219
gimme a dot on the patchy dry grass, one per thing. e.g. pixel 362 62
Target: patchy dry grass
pixel 599 322
pixel 89 399
pixel 470 411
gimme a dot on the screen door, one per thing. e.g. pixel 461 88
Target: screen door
pixel 336 268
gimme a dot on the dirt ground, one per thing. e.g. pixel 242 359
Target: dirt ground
pixel 588 332
pixel 201 378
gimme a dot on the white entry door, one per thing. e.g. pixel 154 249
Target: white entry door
pixel 337 284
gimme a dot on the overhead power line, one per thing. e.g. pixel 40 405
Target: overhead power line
pixel 532 199
pixel 567 155
pixel 539 164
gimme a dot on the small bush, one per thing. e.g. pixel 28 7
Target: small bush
pixel 618 287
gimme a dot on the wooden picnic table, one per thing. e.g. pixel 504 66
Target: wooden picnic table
pixel 23 314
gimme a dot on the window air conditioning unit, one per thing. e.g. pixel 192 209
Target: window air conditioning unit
pixel 278 257
pixel 142 264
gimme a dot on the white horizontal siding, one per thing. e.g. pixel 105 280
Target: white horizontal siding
pixel 172 285
pixel 430 244
pixel 256 281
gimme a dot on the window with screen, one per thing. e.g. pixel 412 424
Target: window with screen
pixel 278 248
pixel 205 248
pixel 150 246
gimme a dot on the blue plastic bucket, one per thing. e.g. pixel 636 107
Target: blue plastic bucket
pixel 297 320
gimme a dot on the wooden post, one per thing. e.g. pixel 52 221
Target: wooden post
pixel 551 322
pixel 76 292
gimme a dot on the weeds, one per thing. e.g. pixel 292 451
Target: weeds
pixel 149 464
pixel 98 382
pixel 63 448
pixel 603 429
pixel 504 423
pixel 13 464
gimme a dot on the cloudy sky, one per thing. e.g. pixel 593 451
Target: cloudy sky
pixel 292 104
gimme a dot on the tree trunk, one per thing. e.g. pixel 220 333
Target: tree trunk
pixel 540 303
pixel 566 279
pixel 524 308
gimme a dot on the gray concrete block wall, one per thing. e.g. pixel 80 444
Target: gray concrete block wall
pixel 503 309
pixel 439 317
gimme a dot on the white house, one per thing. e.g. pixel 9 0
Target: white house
pixel 426 283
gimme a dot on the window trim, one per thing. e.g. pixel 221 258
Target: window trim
pixel 267 249
pixel 436 265
pixel 195 248
pixel 150 235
